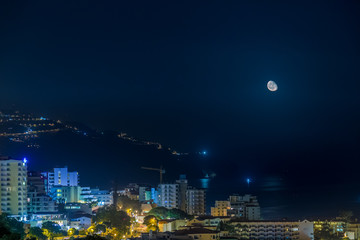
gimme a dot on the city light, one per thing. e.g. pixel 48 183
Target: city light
pixel 169 116
pixel 248 181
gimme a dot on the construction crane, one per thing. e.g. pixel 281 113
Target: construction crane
pixel 160 170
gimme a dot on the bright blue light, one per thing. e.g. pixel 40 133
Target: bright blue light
pixel 205 183
pixel 248 180
pixel 25 160
pixel 204 153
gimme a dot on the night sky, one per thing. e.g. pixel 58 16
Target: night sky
pixel 193 74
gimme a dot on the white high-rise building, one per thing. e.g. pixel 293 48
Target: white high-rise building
pixel 13 191
pixel 60 177
pixel 169 195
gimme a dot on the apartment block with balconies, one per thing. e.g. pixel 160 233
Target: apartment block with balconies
pixel 13 190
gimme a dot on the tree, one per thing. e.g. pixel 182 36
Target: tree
pixel 37 233
pixel 92 237
pixel 326 233
pixel 153 228
pixel 51 226
pixel 223 226
pixel 93 204
pixel 100 228
pixel 177 214
pixel 10 228
pixel 6 234
pixel 51 229
pixel 73 231
pixel 164 213
pixel 151 222
pixel 113 218
pixel 346 216
pixel 124 203
pixel 159 212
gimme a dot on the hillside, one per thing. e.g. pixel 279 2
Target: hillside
pixel 99 157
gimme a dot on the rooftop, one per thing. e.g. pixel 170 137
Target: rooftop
pixel 210 217
pixel 195 231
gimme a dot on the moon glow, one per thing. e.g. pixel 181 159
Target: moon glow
pixel 272 86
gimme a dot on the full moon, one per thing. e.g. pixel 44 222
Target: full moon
pixel 272 86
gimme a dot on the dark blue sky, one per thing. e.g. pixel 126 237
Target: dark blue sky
pixel 193 75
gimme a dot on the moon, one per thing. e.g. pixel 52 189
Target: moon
pixel 272 86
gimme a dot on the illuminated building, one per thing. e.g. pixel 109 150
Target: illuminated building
pixel 66 194
pixel 335 226
pixel 353 231
pixel 180 195
pixel 132 191
pixel 91 195
pixel 144 193
pixel 86 196
pixel 155 195
pixel 208 222
pixel 60 177
pixel 246 207
pixel 169 195
pixel 79 223
pixel 195 199
pixel 103 197
pixel 220 209
pixel 274 230
pixel 38 201
pixel 171 225
pixel 198 233
pixel 13 183
pixel 77 208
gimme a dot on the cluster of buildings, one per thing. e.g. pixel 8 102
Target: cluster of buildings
pixel 178 195
pixel 56 195
pixel 35 197
pixel 245 207
pixel 209 228
pixel 230 228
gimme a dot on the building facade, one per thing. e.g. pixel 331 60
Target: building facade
pixel 13 191
pixel 183 186
pixel 103 197
pixel 196 199
pixel 274 230
pixel 144 193
pixel 60 177
pixel 86 196
pixel 169 195
pixel 221 208
pixel 66 194
pixel 37 200
pixel 246 207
